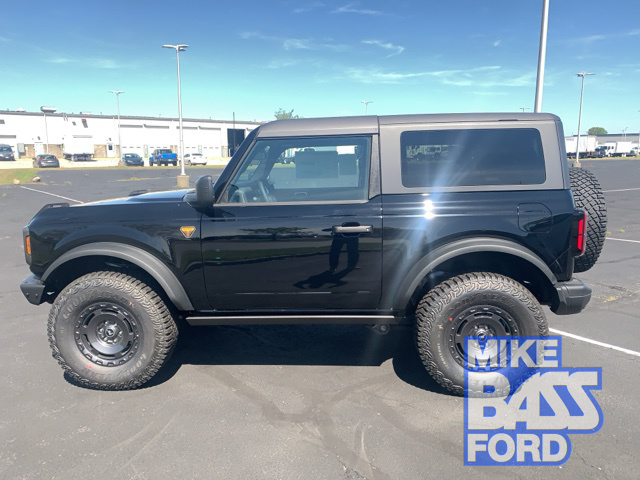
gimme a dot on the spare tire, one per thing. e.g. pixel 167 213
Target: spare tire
pixel 587 195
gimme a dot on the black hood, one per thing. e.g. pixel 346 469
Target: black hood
pixel 169 196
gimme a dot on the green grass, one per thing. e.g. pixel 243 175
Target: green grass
pixel 23 174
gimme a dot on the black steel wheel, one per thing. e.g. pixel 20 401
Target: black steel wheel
pixel 107 334
pixel 483 321
pixel 110 331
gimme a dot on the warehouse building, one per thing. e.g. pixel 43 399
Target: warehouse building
pixel 64 134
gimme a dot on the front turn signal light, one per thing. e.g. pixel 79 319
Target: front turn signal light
pixel 27 244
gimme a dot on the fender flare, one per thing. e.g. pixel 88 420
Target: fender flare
pixel 400 297
pixel 143 259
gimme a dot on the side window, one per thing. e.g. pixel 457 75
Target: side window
pixel 472 157
pixel 314 169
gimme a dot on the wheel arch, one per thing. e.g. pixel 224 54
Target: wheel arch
pixel 488 254
pixel 142 259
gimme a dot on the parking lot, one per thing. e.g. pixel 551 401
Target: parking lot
pixel 293 402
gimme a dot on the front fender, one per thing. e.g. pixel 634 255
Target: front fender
pixel 143 259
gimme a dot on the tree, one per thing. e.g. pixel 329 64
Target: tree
pixel 594 131
pixel 282 114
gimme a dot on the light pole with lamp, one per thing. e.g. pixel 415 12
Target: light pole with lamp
pixel 624 134
pixel 117 94
pixel 183 179
pixel 366 105
pixel 582 75
pixel 46 110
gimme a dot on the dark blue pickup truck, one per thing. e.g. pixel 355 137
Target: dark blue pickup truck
pixel 163 156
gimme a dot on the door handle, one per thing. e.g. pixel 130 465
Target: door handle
pixel 352 229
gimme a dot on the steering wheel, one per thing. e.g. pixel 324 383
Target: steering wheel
pixel 264 193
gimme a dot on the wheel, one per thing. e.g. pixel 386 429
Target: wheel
pixel 587 194
pixel 471 304
pixel 110 331
pixel 175 164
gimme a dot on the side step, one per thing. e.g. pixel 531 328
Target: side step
pixel 292 320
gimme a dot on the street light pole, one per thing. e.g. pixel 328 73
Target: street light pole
pixel 183 180
pixel 366 105
pixel 542 56
pixel 624 134
pixel 524 108
pixel 582 75
pixel 117 94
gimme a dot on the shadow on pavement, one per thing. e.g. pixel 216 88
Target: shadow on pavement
pixel 322 345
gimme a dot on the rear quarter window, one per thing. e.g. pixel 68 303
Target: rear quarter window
pixel 472 157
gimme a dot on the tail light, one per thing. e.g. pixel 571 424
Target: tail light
pixel 580 232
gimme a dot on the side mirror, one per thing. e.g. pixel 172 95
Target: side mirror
pixel 203 195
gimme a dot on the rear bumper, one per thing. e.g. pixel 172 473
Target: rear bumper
pixel 572 297
pixel 33 289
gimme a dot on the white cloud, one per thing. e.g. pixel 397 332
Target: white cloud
pixel 634 32
pixel 497 43
pixel 106 63
pixel 489 76
pixel 60 60
pixel 308 7
pixel 395 49
pixel 588 40
pixel 353 8
pixel 296 43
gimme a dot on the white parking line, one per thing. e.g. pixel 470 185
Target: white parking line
pixel 623 240
pixel 52 194
pixel 595 342
pixel 621 190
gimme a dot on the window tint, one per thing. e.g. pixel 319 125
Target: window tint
pixel 445 158
pixel 303 170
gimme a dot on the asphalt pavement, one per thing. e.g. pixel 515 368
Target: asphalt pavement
pixel 292 402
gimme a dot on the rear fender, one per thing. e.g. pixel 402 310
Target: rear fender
pixel 399 297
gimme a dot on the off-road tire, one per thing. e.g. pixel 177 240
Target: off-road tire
pixel 153 319
pixel 587 194
pixel 449 299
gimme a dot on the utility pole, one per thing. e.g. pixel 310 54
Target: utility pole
pixel 366 105
pixel 183 179
pixel 542 56
pixel 582 75
pixel 117 94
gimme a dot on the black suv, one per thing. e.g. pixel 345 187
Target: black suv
pixel 454 224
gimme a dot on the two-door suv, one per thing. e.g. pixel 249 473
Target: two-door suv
pixel 454 224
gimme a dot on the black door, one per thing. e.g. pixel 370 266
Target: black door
pixel 296 229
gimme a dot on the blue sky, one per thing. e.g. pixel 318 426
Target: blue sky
pixel 322 57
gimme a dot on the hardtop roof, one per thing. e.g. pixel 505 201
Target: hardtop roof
pixel 369 124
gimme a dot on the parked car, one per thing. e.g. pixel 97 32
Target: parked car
pixel 163 156
pixel 133 160
pixel 195 159
pixel 6 153
pixel 359 229
pixel 46 161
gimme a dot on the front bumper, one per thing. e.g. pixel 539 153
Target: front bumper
pixel 33 289
pixel 572 297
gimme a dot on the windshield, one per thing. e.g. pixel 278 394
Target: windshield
pixel 164 150
pixel 5 148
